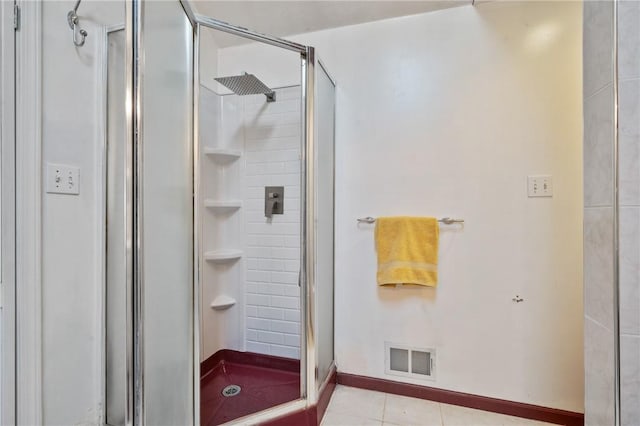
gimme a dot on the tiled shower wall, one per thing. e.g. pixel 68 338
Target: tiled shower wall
pixel 599 175
pixel 598 213
pixel 272 150
pixel 629 142
pixel 266 317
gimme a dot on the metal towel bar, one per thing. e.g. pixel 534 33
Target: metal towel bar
pixel 445 220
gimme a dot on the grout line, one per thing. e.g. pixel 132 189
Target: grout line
pixel 590 318
pixel 629 78
pixel 630 335
pixel 441 416
pixel 598 207
pixel 599 90
pixel 384 407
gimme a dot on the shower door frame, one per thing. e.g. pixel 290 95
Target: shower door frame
pixel 308 370
pixel 8 330
pixel 134 70
pixel 133 60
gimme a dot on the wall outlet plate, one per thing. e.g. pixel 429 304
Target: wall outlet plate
pixel 62 179
pixel 540 186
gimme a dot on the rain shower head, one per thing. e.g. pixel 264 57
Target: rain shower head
pixel 247 84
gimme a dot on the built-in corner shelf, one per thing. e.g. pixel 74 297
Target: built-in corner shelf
pixel 223 154
pixel 222 255
pixel 222 302
pixel 222 205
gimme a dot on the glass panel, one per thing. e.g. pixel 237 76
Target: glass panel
pixel 249 184
pixel 324 114
pixel 167 214
pixel 116 256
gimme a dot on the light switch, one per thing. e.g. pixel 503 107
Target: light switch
pixel 63 179
pixel 540 186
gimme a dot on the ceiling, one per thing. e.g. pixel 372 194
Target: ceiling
pixel 285 18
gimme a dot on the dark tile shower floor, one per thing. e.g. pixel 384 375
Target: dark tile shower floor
pixel 261 387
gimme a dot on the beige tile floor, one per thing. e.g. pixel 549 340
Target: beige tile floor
pixel 354 407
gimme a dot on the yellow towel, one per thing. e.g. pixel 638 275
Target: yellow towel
pixel 407 250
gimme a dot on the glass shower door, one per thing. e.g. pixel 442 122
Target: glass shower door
pixel 163 291
pixel 162 376
pixel 118 221
pixel 324 162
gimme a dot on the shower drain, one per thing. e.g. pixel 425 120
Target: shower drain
pixel 231 390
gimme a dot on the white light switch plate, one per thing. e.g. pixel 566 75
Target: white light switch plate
pixel 540 186
pixel 63 179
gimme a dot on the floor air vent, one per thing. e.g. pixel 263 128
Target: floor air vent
pixel 402 360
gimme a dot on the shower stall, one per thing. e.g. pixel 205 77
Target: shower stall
pixel 219 208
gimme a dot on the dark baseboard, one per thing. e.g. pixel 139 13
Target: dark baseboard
pixel 518 409
pixel 326 390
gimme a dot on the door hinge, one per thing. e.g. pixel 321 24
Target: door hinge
pixel 16 17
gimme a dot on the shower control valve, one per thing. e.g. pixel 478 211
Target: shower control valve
pixel 273 200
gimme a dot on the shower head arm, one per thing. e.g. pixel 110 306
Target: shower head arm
pixel 271 96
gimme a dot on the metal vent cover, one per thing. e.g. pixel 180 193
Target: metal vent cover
pixel 404 360
pixel 421 362
pixel 247 84
pixel 399 360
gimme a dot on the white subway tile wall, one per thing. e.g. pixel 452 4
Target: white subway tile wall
pixel 272 152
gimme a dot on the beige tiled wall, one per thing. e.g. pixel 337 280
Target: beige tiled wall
pixel 629 146
pixel 598 212
pixel 598 219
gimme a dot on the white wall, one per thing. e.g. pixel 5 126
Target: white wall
pixel 445 114
pixel 71 225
